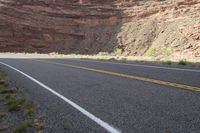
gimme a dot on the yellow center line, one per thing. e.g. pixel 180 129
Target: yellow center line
pixel 160 82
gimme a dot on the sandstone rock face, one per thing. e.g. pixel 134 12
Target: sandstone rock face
pixel 93 26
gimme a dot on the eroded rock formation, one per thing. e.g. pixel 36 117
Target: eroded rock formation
pixel 92 26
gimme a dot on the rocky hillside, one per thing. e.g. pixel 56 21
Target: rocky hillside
pixel 92 26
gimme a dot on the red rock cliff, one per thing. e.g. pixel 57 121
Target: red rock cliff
pixel 92 26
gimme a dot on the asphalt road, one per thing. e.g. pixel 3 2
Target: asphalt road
pixel 128 97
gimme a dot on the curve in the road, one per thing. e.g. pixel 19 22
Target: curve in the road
pixel 176 85
pixel 103 124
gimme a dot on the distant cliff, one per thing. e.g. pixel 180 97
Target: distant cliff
pixel 93 26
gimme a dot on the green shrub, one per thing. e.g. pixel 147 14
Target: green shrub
pixel 183 62
pixel 150 52
pixel 14 104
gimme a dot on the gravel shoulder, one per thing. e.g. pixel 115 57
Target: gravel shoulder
pixel 18 113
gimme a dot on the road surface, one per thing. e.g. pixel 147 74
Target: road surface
pixel 110 97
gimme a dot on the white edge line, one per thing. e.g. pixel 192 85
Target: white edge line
pixel 103 124
pixel 138 65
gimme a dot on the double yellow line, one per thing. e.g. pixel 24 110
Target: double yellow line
pixel 160 82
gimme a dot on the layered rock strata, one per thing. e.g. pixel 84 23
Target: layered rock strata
pixel 93 26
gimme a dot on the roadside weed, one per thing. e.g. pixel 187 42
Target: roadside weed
pixel 23 127
pixel 183 62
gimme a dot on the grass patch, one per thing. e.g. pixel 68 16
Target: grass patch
pixel 118 51
pixel 14 104
pixel 23 127
pixel 29 108
pixel 183 62
pixel 151 52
